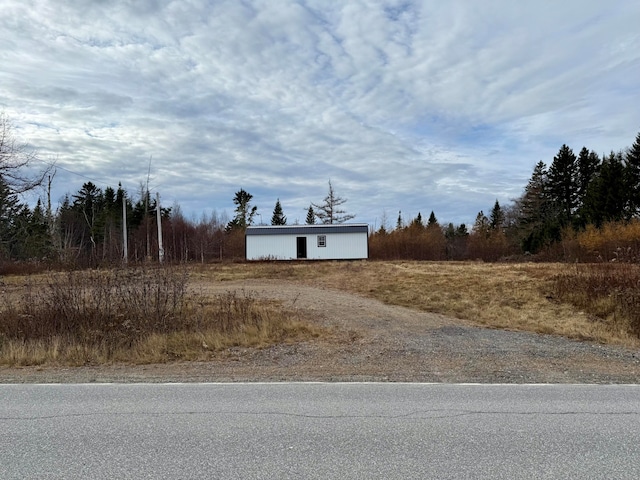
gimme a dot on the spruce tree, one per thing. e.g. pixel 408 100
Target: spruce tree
pixel 496 218
pixel 563 183
pixel 536 222
pixel 632 178
pixel 588 166
pixel 482 225
pixel 311 216
pixel 433 221
pixel 278 217
pixel 9 208
pixel 399 222
pixel 417 223
pixel 606 197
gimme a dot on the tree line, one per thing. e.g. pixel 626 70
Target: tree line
pixel 97 226
pixel 575 195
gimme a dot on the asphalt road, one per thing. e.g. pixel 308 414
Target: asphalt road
pixel 278 431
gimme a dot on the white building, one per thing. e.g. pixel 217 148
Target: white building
pixel 312 242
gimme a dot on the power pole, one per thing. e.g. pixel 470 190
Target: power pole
pixel 125 244
pixel 159 218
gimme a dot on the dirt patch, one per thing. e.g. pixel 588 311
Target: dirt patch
pixel 374 342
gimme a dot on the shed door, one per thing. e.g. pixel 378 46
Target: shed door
pixel 301 247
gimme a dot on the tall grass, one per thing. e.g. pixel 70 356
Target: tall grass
pixel 608 291
pixel 133 315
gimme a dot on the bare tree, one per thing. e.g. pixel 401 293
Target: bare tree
pixel 329 211
pixel 15 157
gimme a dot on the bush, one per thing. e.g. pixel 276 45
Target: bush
pixel 139 315
pixel 115 306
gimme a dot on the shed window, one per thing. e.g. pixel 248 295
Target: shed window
pixel 322 240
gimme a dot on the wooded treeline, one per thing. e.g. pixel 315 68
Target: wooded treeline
pixel 87 229
pixel 579 207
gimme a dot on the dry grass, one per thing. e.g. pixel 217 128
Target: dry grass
pixel 608 290
pixel 135 316
pixel 518 296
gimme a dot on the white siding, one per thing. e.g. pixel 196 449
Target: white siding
pixel 271 247
pixel 284 247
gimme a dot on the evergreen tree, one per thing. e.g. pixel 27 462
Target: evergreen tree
pixel 482 225
pixel 244 210
pixel 588 167
pixel 330 211
pixel 278 217
pixel 88 203
pixel 433 221
pixel 32 240
pixel 536 221
pixel 9 208
pixel 496 218
pixel 632 178
pixel 450 231
pixel 462 231
pixel 311 216
pixel 417 223
pixel 563 184
pixel 606 196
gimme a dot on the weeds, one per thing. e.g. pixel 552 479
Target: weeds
pixel 134 315
pixel 609 291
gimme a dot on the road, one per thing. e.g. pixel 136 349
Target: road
pixel 319 430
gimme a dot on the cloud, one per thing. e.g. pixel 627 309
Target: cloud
pixel 412 106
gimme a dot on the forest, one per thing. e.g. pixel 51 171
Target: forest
pixel 578 207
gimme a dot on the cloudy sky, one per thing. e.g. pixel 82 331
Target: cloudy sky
pixel 403 105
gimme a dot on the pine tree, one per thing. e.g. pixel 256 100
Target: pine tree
pixel 329 211
pixel 311 216
pixel 245 212
pixel 278 217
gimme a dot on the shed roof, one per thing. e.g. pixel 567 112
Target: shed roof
pixel 307 229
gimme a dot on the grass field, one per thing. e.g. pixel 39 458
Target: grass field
pixel 550 298
pixel 147 315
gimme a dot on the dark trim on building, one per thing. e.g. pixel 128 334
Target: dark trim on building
pixel 308 229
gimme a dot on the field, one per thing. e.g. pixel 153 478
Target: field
pixel 284 317
pixel 535 297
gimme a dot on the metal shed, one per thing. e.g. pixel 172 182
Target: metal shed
pixel 308 242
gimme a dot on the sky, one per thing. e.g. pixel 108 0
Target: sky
pixel 412 106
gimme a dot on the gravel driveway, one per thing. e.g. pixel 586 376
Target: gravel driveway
pixel 376 342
